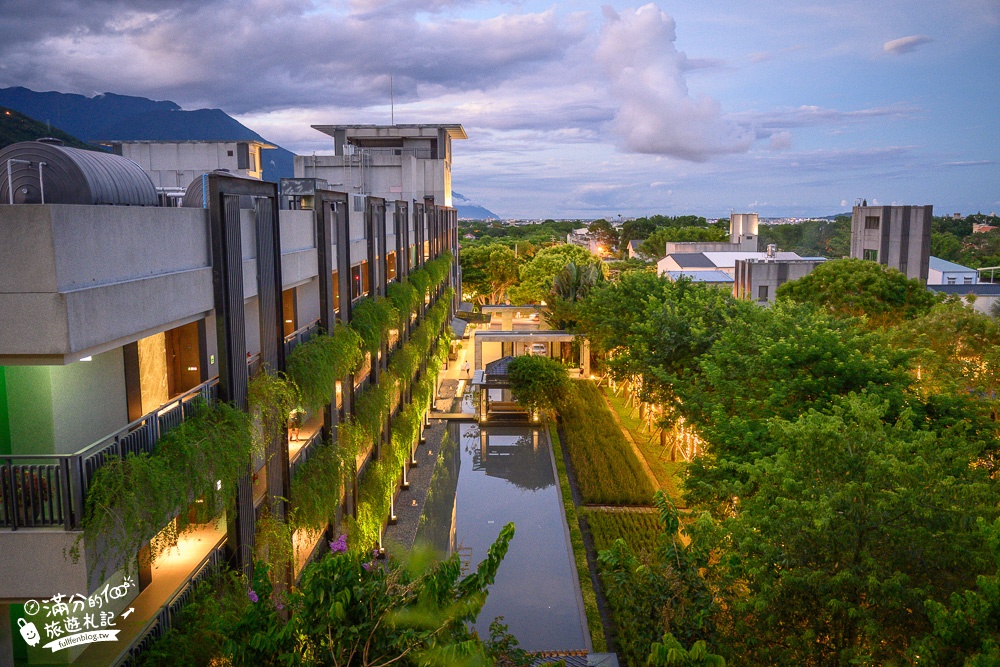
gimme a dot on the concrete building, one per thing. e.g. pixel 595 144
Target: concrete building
pixel 715 261
pixel 983 296
pixel 895 236
pixel 758 279
pixel 710 277
pixel 742 238
pixel 943 272
pixel 406 162
pixel 115 319
pixel 174 164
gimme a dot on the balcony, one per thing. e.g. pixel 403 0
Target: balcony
pixel 49 490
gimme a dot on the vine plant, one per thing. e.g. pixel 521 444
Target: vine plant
pixel 316 366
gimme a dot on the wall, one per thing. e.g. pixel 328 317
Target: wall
pixel 54 409
pixel 67 291
pixel 4 424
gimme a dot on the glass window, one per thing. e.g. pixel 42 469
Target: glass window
pixel 336 291
pixel 390 264
pixel 872 222
pixel 871 255
pixel 762 293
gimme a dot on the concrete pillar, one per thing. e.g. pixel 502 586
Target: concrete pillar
pixel 585 357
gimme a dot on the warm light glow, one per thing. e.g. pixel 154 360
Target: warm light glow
pixel 86 359
pixel 218 485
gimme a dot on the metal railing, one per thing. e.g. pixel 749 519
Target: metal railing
pixel 300 336
pixel 38 490
pixel 305 452
pixel 158 626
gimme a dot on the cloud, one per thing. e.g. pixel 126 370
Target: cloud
pixel 655 112
pixel 905 44
pixel 780 141
pixel 970 163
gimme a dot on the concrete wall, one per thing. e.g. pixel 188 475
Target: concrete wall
pixel 901 239
pixel 750 276
pixel 955 277
pixel 177 164
pixel 62 409
pixel 80 280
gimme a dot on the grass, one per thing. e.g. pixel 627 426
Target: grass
pixel 640 530
pixel 668 473
pixel 579 552
pixel 607 470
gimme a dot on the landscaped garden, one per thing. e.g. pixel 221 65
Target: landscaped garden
pixel 607 470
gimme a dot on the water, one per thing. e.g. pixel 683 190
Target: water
pixel 492 477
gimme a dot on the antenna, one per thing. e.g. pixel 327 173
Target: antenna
pixel 392 104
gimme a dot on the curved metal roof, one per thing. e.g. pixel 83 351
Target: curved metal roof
pixel 71 176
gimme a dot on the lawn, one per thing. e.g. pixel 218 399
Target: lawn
pixel 668 473
pixel 606 467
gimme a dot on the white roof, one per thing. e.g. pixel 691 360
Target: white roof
pixel 942 265
pixel 727 260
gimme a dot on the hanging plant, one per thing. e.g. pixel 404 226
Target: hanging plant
pixel 273 542
pixel 272 398
pixel 316 366
pixel 421 280
pixel 317 488
pixel 406 299
pixel 372 318
pixel 131 500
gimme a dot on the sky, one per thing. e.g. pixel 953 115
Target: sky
pixel 573 108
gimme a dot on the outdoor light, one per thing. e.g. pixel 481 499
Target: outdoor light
pixel 218 485
pixel 86 358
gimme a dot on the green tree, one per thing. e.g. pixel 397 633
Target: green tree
pixel 635 230
pixel 537 275
pixel 569 287
pixel 857 520
pixel 488 270
pixel 655 244
pixel 538 383
pixel 605 234
pixel 860 288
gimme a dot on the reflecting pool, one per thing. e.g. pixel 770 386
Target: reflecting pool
pixel 488 477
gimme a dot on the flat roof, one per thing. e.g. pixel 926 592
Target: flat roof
pixel 262 144
pixel 692 260
pixel 454 130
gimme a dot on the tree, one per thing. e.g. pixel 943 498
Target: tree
pixel 538 383
pixel 570 286
pixel 655 244
pixel 605 234
pixel 537 275
pixel 858 519
pixel 635 230
pixel 488 270
pixel 861 288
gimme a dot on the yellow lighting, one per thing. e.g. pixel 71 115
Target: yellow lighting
pixel 192 368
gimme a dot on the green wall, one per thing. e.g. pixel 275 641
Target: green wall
pixel 4 415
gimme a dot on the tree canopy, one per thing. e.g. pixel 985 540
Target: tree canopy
pixel 537 275
pixel 860 288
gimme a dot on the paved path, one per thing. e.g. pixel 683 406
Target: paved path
pixel 410 502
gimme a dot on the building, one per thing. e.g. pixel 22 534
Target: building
pixel 983 296
pixel 724 262
pixel 742 238
pixel 895 236
pixel 758 279
pixel 407 162
pixel 174 164
pixel 714 278
pixel 943 272
pixel 118 315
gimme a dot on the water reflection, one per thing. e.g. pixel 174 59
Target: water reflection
pixel 496 475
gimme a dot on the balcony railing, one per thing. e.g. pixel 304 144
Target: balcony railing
pixel 305 452
pixel 164 619
pixel 300 336
pixel 38 490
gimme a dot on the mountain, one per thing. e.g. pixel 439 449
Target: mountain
pixel 469 210
pixel 111 116
pixel 15 127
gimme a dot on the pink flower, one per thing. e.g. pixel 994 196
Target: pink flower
pixel 253 596
pixel 367 566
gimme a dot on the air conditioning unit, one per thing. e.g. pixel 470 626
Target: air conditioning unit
pixel 358 202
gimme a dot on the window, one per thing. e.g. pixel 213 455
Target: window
pixel 242 156
pixel 359 280
pixel 390 267
pixel 951 280
pixel 872 222
pixel 967 280
pixel 871 255
pixel 336 291
pixel 762 293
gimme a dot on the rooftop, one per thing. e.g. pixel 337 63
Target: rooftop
pixel 454 130
pixel 938 264
pixel 702 276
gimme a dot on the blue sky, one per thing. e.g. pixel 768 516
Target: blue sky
pixel 578 109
